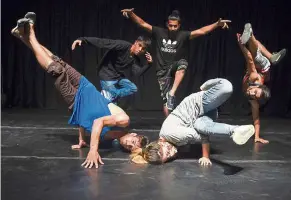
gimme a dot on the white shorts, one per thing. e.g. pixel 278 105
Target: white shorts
pixel 262 61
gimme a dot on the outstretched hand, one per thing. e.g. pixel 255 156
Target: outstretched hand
pixel 204 161
pixel 261 140
pixel 92 158
pixel 76 42
pixel 223 23
pixel 127 12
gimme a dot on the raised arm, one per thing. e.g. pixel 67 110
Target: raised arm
pixel 206 29
pixel 256 118
pixel 128 13
pixel 97 42
pixel 121 120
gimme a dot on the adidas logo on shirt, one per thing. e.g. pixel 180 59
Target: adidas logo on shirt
pixel 169 46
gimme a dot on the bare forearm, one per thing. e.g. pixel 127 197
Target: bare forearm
pixel 95 135
pixel 251 67
pixel 140 22
pixel 209 28
pixel 205 150
pixel 203 31
pixel 256 117
pixel 136 19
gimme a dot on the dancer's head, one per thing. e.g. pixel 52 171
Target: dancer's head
pixel 258 92
pixel 174 21
pixel 133 141
pixel 156 152
pixel 140 45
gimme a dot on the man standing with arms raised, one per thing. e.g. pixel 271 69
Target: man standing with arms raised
pixel 171 47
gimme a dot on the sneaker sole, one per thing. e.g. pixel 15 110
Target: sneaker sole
pixel 13 30
pixel 246 34
pixel 169 108
pixel 14 33
pixel 281 56
pixel 243 134
pixel 22 22
pixel 31 16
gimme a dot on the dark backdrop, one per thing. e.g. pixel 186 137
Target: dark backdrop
pixel 60 22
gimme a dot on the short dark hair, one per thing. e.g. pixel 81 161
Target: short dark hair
pixel 175 15
pixel 146 40
pixel 265 92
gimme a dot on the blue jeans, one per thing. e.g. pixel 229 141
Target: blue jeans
pixel 217 91
pixel 113 90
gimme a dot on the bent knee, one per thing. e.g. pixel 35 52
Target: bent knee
pixel 55 69
pixel 182 65
pixel 201 124
pixel 227 86
pixel 133 88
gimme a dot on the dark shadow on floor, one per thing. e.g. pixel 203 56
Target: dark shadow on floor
pixel 228 169
pixel 194 151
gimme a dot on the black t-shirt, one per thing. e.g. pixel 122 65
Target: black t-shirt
pixel 169 48
pixel 117 60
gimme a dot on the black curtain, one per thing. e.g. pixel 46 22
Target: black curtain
pixel 217 54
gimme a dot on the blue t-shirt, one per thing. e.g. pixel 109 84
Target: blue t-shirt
pixel 89 105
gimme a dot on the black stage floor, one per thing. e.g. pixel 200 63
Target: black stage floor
pixel 37 163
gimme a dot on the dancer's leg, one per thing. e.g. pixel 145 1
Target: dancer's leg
pixel 177 71
pixel 217 91
pixel 62 72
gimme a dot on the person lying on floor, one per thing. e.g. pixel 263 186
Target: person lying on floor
pixel 91 111
pixel 190 122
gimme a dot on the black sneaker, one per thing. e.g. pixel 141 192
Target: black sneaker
pixel 277 57
pixel 22 22
pixel 170 101
pixel 247 33
pixel 31 16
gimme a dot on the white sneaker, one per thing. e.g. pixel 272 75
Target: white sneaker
pixel 247 33
pixel 242 134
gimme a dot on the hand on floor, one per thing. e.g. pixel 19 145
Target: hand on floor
pixel 92 158
pixel 261 140
pixel 204 161
pixel 81 144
